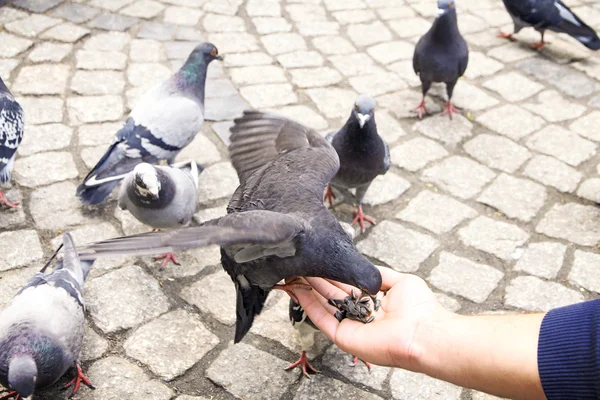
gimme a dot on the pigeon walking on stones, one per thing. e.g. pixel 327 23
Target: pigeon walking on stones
pixel 11 135
pixel 41 329
pixel 166 119
pixel 276 227
pixel 161 197
pixel 363 155
pixel 441 55
pixel 551 15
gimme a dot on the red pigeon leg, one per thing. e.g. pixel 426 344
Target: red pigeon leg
pixel 304 364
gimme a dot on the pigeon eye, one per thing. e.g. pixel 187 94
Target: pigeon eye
pixel 450 4
pixel 213 52
pixel 356 107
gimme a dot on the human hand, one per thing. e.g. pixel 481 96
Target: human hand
pixel 389 339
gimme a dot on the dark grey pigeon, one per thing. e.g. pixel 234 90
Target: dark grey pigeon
pixel 551 15
pixel 161 197
pixel 41 329
pixel 363 155
pixel 165 120
pixel 441 55
pixel 276 227
pixel 11 135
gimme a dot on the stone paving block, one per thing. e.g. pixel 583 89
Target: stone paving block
pixel 416 153
pixel 394 12
pixel 386 188
pixel 32 25
pixel 45 168
pixel 269 95
pixel 111 5
pixel 511 120
pixel 574 222
pixel 151 30
pixel 11 46
pixel 143 9
pixel 388 127
pixel 216 182
pixel 74 12
pixel 510 52
pixel 410 27
pixel 109 41
pixel 146 50
pixel 8 14
pixel 201 150
pixel 36 139
pixel 542 259
pixel 13 280
pixel 210 213
pixel 215 295
pixel 448 302
pixel 258 74
pixel 179 50
pixel 551 172
pixel 533 294
pixel 221 129
pixel 248 59
pixel 112 22
pixel 37 6
pixel 115 304
pixel 458 175
pixel 305 115
pixel 442 128
pixel 95 60
pixel 86 109
pixel 555 108
pixel 321 387
pixel 584 271
pixel 50 52
pixel 147 74
pixel 353 16
pixel 192 262
pixel 229 7
pixel 513 86
pixel 91 155
pixel 410 385
pixel 280 43
pixel 435 212
pixel 562 144
pixel 467 96
pixel 94 346
pixel 12 244
pixel 318 28
pixel 498 238
pixel 97 82
pixel 587 126
pixel 464 277
pixel 401 248
pixel 304 11
pixel 51 209
pixel 263 8
pixel 223 23
pixel 42 79
pixel 355 64
pixel 333 102
pixel 182 16
pixel 335 5
pixel 41 110
pixel 378 83
pixel 66 32
pixel 514 197
pixel 590 189
pixel 117 378
pixel 389 52
pixel 14 217
pixel 224 108
pixel 333 45
pixel 250 373
pixel 266 25
pixel 7 66
pixel 315 77
pixel 481 65
pixel 368 34
pixel 497 152
pixel 184 341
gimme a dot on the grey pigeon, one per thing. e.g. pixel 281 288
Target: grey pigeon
pixel 41 329
pixel 166 119
pixel 161 197
pixel 363 155
pixel 276 227
pixel 551 15
pixel 441 55
pixel 11 135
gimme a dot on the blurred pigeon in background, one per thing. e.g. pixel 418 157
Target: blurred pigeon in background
pixel 363 155
pixel 11 135
pixel 441 55
pixel 165 120
pixel 161 197
pixel 41 329
pixel 551 15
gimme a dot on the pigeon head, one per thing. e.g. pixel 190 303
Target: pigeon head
pixel 364 109
pixel 444 6
pixel 145 179
pixel 204 53
pixel 22 375
pixel 368 278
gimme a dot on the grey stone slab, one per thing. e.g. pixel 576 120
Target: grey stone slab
pixel 51 209
pixel 377 83
pixel 66 32
pixel 215 295
pixel 458 175
pixel 146 50
pixel 115 303
pixel 542 259
pixel 510 52
pixel 333 45
pixel 315 77
pixel 8 65
pixel 45 168
pixel 514 197
pixel 13 280
pixel 590 189
pixel 50 52
pixel 436 212
pixel 216 182
pixel 224 108
pixel 333 102
pixel 481 65
pixel 305 115
pixel 86 109
pixel 98 60
pixel 8 14
pixel 464 277
pixel 386 188
pixel 222 131
pixel 210 213
pixel 15 216
pixel 97 82
pixel 321 387
pixel 416 153
pixel 467 96
pixel 147 74
pixel 184 341
pixel 12 244
pixel 574 222
pixel 410 385
pixel 220 88
pixel 513 86
pixel 280 43
pixel 129 224
pixel 109 41
pixel 563 144
pixel 38 138
pixel 41 110
pixel 442 128
pixel 368 33
pixel 98 134
pixel 42 79
pixel 341 363
pixel 151 30
pixel 551 172
pixel 511 120
pixel 448 302
pixel 112 22
pixel 554 108
pixel 201 150
pixel 585 271
pixel 234 42
pixel 269 95
pixel 11 46
pixel 37 6
pixel 257 75
pixel 587 126
pixel 410 27
pixel 355 64
pixel 183 16
pixel 533 294
pixel 401 248
pixel 389 52
pixel 248 59
pixel 497 152
pixel 192 262
pixel 31 26
pixel 94 346
pixel 249 373
pixel 74 12
pixel 498 238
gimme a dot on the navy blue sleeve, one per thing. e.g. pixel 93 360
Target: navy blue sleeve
pixel 569 352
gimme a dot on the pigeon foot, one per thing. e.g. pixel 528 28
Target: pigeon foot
pixel 361 217
pixel 289 289
pixel 538 45
pixel 329 196
pixel 421 108
pixel 14 395
pixel 353 307
pixel 4 200
pixel 508 36
pixel 450 109
pixel 355 363
pixel 77 381
pixel 304 364
pixel 167 257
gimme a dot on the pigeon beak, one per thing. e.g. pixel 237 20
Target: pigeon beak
pixel 362 119
pixel 220 57
pixel 154 192
pixel 440 11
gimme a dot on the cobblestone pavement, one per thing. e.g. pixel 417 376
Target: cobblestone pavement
pixel 496 210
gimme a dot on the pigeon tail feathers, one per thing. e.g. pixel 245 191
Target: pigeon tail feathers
pixel 250 302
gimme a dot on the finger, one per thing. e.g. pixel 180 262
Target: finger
pixel 346 288
pixel 318 314
pixel 326 289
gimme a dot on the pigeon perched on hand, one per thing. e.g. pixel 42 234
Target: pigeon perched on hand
pixel 166 119
pixel 11 135
pixel 276 227
pixel 441 55
pixel 551 15
pixel 161 197
pixel 41 329
pixel 363 155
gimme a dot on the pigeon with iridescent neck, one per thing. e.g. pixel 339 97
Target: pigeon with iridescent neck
pixel 165 120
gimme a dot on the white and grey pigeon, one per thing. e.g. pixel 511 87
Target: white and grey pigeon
pixel 551 15
pixel 161 197
pixel 363 155
pixel 441 55
pixel 41 329
pixel 166 119
pixel 11 135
